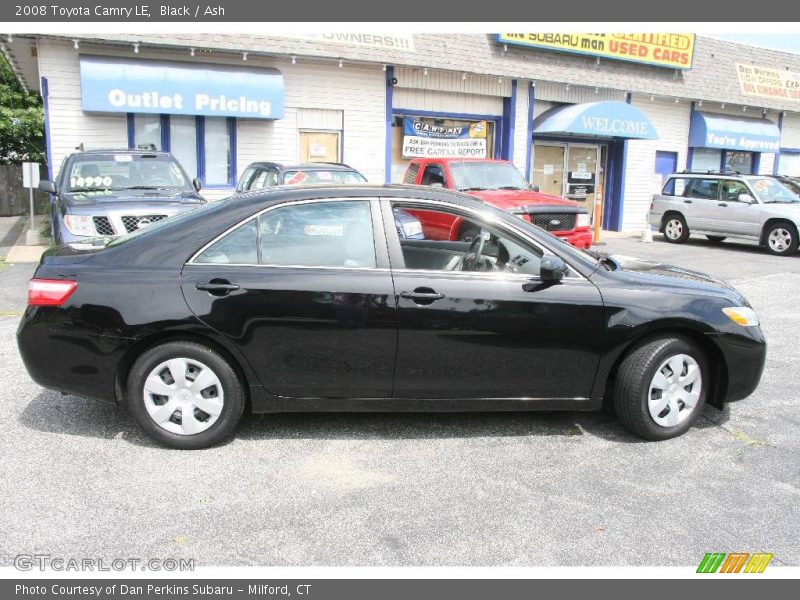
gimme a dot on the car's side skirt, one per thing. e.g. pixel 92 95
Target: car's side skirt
pixel 279 404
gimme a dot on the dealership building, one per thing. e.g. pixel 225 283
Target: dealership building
pixel 598 118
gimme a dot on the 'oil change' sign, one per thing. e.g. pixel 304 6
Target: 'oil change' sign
pixel 427 140
pixel 147 86
pixel 674 50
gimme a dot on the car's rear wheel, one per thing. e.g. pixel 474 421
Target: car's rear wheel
pixel 185 395
pixel 661 388
pixel 716 239
pixel 781 238
pixel 675 229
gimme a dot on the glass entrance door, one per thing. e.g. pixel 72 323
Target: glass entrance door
pixel 582 172
pixel 548 168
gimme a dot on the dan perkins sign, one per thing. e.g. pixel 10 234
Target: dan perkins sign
pixel 673 50
pixel 769 82
pixel 148 86
pixel 426 140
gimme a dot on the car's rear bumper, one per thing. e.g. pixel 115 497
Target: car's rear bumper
pixel 654 218
pixel 580 238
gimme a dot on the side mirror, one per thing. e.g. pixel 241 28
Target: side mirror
pixel 196 184
pixel 552 268
pixel 535 188
pixel 747 199
pixel 48 186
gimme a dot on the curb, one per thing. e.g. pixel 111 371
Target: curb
pixel 22 253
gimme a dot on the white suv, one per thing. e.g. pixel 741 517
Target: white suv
pixel 721 205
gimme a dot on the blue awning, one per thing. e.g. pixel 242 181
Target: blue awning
pixel 733 133
pixel 605 119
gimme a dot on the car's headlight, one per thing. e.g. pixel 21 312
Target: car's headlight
pixel 412 228
pixel 79 224
pixel 742 315
pixel 583 220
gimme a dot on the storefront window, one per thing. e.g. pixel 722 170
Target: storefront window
pixel 739 161
pixel 147 129
pixel 218 151
pixel 789 164
pixel 183 142
pixel 399 162
pixel 202 145
pixel 706 159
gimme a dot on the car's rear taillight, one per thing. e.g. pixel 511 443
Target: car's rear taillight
pixel 50 292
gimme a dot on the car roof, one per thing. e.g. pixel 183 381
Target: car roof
pixel 138 151
pixel 318 166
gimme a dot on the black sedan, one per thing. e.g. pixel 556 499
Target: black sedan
pixel 308 300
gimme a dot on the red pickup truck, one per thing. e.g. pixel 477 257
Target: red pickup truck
pixel 496 182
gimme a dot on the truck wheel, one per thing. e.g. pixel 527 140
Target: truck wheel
pixel 781 239
pixel 675 229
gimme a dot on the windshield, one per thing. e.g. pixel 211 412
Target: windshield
pixel 771 190
pixel 487 176
pixel 300 177
pixel 101 172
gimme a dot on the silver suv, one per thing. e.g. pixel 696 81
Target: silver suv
pixel 721 205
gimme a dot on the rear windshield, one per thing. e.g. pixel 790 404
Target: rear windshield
pixel 109 172
pixel 301 177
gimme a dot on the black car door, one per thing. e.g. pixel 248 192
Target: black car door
pixel 305 292
pixel 494 330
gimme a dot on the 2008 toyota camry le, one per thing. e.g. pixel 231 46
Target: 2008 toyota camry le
pixel 307 299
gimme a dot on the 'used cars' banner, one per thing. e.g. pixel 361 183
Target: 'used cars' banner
pixel 674 50
pixel 426 140
pixel 768 82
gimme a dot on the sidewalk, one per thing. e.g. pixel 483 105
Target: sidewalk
pixel 10 229
pixel 20 252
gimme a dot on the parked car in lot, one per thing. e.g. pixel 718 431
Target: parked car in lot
pixel 113 192
pixel 306 299
pixel 496 182
pixel 722 205
pixel 266 174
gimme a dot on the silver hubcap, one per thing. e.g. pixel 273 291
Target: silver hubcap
pixel 780 239
pixel 674 229
pixel 183 396
pixel 674 390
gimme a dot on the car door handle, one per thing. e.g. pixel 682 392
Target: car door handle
pixel 687 201
pixel 217 287
pixel 422 296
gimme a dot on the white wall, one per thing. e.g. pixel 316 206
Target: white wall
pixel 671 121
pixel 521 139
pixel 790 131
pixel 69 125
pixel 352 95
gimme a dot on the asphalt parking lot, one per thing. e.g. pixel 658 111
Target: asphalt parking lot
pixel 79 479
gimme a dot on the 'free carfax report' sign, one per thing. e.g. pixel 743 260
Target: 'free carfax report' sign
pixel 147 86
pixel 426 140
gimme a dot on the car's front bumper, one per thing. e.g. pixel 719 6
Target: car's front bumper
pixel 745 355
pixel 580 238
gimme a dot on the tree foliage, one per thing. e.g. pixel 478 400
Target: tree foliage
pixel 21 120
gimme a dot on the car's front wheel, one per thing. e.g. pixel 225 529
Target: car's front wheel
pixel 185 395
pixel 661 387
pixel 675 229
pixel 781 238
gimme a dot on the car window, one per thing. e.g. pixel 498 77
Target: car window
pixel 411 174
pixel 501 253
pixel 707 189
pixel 238 247
pixel 433 175
pixel 309 176
pixel 731 190
pixel 321 234
pixel 244 180
pixel 676 186
pixel 109 172
pixel 264 178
